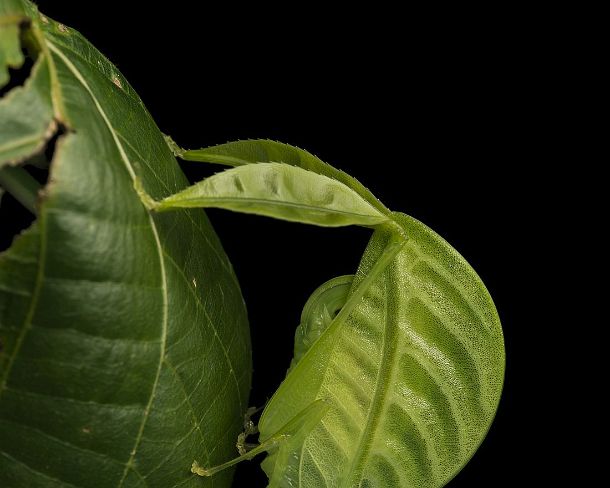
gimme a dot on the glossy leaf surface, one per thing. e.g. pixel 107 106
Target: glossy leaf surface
pixel 412 368
pixel 125 345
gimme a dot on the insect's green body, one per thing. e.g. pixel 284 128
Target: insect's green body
pixel 126 349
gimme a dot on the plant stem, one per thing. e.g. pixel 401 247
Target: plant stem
pixel 21 185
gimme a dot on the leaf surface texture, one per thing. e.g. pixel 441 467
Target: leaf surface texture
pixel 254 151
pixel 126 352
pixel 281 191
pixel 412 368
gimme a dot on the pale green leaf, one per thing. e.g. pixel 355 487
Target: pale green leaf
pixel 412 368
pixel 280 191
pixel 239 153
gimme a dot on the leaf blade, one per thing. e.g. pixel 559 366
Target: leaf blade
pixel 413 373
pixel 255 151
pixel 280 191
pixel 109 384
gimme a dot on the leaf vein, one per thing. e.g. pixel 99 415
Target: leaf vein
pixel 164 318
pixel 203 309
pixel 62 442
pixel 35 471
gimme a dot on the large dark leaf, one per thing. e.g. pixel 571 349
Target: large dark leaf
pixel 126 352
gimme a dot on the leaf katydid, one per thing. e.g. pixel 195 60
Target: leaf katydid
pixel 412 363
pixel 117 301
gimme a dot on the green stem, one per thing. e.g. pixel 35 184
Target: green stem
pixel 21 185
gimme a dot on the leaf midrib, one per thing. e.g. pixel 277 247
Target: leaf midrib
pixel 381 389
pixel 211 322
pixel 283 203
pixel 130 170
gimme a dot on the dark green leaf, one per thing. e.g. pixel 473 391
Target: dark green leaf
pixel 126 350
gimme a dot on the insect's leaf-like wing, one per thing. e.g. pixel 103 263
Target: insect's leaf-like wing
pixel 126 351
pixel 412 368
pixel 253 151
pixel 281 191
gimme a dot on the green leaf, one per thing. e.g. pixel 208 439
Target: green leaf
pixel 291 437
pixel 254 151
pixel 412 368
pixel 126 352
pixel 10 48
pixel 280 191
pixel 26 116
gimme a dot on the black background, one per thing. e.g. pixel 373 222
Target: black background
pixel 428 114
